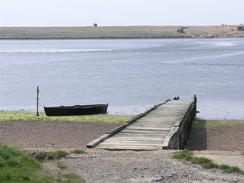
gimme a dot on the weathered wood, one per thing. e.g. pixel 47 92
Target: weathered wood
pixel 130 147
pixel 147 128
pixel 121 127
pixel 121 134
pixel 97 141
pixel 145 143
pixel 142 138
pixel 164 126
pixel 37 101
pixel 176 138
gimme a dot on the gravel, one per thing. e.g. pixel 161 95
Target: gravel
pixel 51 135
pixel 142 167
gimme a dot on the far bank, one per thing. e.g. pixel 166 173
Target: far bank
pixel 121 32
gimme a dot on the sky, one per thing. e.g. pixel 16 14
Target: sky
pixel 120 12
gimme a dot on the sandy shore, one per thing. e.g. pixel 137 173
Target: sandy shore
pixel 75 135
pixel 122 32
pixel 51 135
pixel 225 138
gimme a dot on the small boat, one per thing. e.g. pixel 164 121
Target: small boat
pixel 76 110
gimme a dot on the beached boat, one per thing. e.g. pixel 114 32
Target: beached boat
pixel 76 110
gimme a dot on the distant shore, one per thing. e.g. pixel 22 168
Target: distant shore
pixel 121 32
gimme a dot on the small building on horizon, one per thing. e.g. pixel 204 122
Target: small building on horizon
pixel 95 25
pixel 181 29
pixel 240 28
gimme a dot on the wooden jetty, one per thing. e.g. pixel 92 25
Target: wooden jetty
pixel 165 126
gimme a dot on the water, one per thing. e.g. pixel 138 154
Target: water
pixel 130 75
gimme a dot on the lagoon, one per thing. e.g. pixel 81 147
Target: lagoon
pixel 130 74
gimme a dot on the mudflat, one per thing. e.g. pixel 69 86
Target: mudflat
pixel 76 135
pixel 51 135
pixel 220 138
pixel 120 32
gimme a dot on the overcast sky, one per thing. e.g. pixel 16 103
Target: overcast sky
pixel 120 12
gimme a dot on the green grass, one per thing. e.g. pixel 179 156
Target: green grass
pixel 78 151
pixel 61 165
pixel 230 169
pixel 70 178
pixel 205 163
pixel 53 155
pixel 29 116
pixel 18 167
pixel 215 123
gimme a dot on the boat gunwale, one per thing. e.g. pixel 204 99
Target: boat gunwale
pixel 77 106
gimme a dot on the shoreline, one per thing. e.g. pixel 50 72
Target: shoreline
pixel 109 38
pixel 120 32
pixel 205 135
pixel 108 115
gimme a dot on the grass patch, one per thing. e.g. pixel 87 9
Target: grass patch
pixel 56 155
pixel 42 155
pixel 230 169
pixel 205 163
pixel 61 165
pixel 78 151
pixel 71 178
pixel 215 123
pixel 29 116
pixel 18 167
pixel 185 155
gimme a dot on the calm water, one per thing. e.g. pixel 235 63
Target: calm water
pixel 131 75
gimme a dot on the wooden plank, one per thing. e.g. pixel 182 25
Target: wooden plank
pixel 97 141
pixel 143 134
pixel 132 143
pixel 136 140
pixel 140 135
pixel 127 130
pixel 129 145
pixel 137 148
pixel 147 128
pixel 137 137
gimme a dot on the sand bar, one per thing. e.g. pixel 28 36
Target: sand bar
pixel 120 32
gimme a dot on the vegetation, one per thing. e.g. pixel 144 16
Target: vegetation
pixel 53 155
pixel 215 123
pixel 29 116
pixel 61 165
pixel 78 151
pixel 70 178
pixel 205 163
pixel 18 167
pixel 42 155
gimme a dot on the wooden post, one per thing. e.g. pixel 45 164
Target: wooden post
pixel 37 101
pixel 195 98
pixel 195 108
